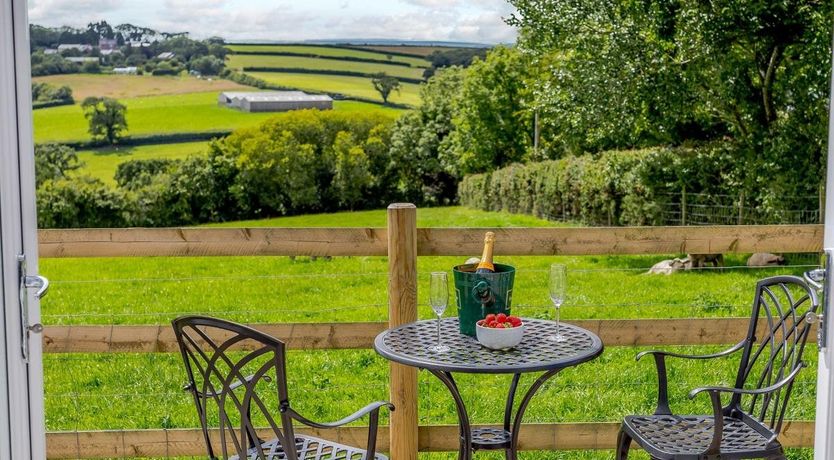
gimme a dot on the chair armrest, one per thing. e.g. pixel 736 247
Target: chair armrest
pixel 720 354
pixel 372 407
pixel 662 407
pixel 744 391
pixel 718 412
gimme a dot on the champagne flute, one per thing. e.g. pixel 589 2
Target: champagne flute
pixel 438 298
pixel 558 284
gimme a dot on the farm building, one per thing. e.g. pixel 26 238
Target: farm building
pixel 274 101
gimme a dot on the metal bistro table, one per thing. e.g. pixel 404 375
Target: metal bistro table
pixel 409 344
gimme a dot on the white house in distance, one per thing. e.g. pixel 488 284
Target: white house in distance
pixel 274 101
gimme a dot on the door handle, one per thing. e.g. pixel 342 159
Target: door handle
pixel 37 282
pixel 28 282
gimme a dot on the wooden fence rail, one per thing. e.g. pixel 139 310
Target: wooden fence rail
pixel 432 438
pixel 138 242
pixel 402 242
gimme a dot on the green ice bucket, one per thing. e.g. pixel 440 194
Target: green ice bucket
pixel 479 294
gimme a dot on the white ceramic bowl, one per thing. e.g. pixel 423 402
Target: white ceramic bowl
pixel 499 339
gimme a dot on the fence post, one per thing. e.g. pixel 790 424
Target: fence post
pixel 683 206
pixel 741 208
pixel 402 309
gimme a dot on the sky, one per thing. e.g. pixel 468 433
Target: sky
pixel 479 21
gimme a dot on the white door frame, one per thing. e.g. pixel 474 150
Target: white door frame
pixel 22 434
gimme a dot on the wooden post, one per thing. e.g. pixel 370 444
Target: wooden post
pixel 683 206
pixel 741 208
pixel 402 309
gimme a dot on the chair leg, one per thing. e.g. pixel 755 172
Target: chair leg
pixel 623 445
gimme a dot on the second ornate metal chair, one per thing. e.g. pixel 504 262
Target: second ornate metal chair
pixel 237 377
pixel 748 425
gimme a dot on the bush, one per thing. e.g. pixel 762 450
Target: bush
pixel 80 202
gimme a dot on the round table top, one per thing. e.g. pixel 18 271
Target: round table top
pixel 409 344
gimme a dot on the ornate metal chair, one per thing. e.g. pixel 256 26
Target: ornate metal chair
pixel 237 377
pixel 747 427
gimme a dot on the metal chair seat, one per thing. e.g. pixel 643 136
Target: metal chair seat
pixel 681 437
pixel 311 448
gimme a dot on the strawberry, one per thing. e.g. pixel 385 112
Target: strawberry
pixel 481 322
pixel 489 318
pixel 501 318
pixel 514 320
pixel 499 325
pixel 492 324
pixel 508 325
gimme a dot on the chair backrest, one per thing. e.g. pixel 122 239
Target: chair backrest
pixel 233 372
pixel 775 343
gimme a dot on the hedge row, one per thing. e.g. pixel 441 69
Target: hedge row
pixel 319 56
pixel 153 139
pixel 611 188
pixel 46 104
pixel 344 73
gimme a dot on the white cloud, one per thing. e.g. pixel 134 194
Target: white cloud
pixel 437 20
pixel 71 12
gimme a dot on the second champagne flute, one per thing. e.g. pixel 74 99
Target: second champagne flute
pixel 438 298
pixel 558 285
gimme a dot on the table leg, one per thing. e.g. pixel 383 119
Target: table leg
pixel 508 414
pixel 465 452
pixel 512 452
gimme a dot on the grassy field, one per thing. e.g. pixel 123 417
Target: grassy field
pixel 143 390
pixel 328 51
pixel 131 86
pixel 102 163
pixel 247 60
pixel 351 86
pixel 161 114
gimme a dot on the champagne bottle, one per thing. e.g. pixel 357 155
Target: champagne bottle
pixel 485 265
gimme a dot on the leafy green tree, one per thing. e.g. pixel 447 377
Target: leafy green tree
pixel 106 118
pixel 423 174
pixel 53 162
pixel 353 170
pixel 493 127
pixel 384 84
pixel 206 65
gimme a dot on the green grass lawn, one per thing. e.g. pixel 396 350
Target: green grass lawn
pixel 246 60
pixel 351 86
pixel 329 51
pixel 161 114
pixel 111 391
pixel 102 163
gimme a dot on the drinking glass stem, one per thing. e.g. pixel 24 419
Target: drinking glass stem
pixel 558 327
pixel 438 330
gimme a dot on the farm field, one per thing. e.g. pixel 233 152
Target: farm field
pixel 193 112
pixel 240 61
pixel 101 391
pixel 328 51
pixel 130 86
pixel 349 86
pixel 102 163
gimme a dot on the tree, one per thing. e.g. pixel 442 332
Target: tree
pixel 493 126
pixel 106 117
pixel 353 170
pixel 384 84
pixel 423 174
pixel 53 162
